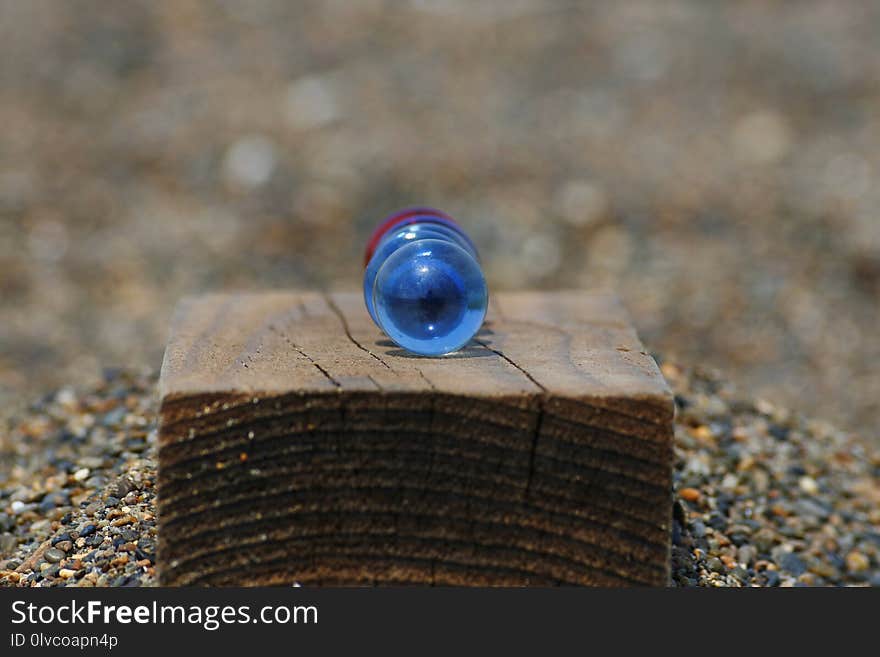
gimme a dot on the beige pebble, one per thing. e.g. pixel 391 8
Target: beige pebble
pixel 808 485
pixel 66 573
pixel 856 562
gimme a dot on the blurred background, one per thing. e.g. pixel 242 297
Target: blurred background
pixel 715 162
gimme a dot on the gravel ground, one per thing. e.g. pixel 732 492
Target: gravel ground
pixel 764 497
pixel 767 497
pixel 77 488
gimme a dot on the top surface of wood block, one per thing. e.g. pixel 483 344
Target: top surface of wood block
pixel 572 344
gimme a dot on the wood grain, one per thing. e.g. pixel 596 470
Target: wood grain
pixel 298 444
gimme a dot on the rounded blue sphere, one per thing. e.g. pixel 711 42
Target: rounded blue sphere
pixel 429 294
pixel 393 240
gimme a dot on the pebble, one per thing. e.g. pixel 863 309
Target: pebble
pixel 764 539
pixel 808 485
pixel 715 565
pixel 8 543
pixel 87 530
pixel 793 564
pixel 856 562
pixel 740 573
pixel 66 573
pixel 54 555
pixel 746 554
pixel 689 494
pixel 250 161
pixel 312 102
pixel 771 578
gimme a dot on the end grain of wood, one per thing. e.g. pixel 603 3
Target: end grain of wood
pixel 297 444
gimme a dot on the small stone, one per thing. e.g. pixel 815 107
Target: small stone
pixel 96 481
pixel 250 161
pixel 857 562
pixel 740 574
pixel 82 474
pixel 91 462
pixel 8 543
pixel 764 539
pixel 808 485
pixel 122 487
pixel 87 530
pixel 729 481
pixel 312 101
pixel 771 578
pixel 52 500
pixel 54 555
pixel 124 520
pixel 793 564
pixel 746 554
pixel 66 573
pixel 689 494
pixel 778 432
pixel 823 569
pixel 115 416
pixel 715 565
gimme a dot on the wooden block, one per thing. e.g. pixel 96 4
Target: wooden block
pixel 298 444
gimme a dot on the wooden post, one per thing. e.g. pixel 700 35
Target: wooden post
pixel 298 444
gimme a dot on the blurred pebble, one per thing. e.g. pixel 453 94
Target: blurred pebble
pixel 311 102
pixel 581 202
pixel 541 255
pixel 762 137
pixel 856 562
pixel 250 161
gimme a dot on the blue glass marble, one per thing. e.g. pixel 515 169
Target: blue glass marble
pixel 424 288
pixel 393 240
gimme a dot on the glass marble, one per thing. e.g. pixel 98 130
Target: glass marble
pixel 393 240
pixel 423 285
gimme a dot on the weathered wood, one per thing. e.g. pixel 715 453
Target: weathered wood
pixel 297 444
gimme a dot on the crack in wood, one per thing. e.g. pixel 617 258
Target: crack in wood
pixel 505 357
pixel 303 353
pixel 338 312
pixel 538 421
